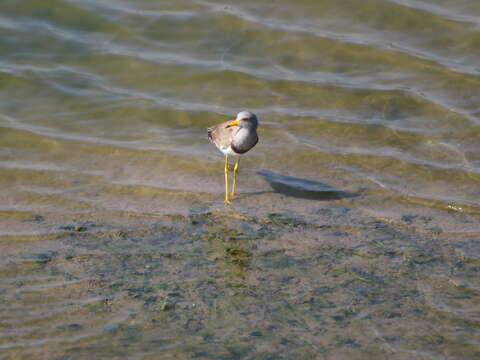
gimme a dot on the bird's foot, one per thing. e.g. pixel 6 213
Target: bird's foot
pixel 226 201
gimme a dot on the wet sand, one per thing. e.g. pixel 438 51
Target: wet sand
pixel 324 280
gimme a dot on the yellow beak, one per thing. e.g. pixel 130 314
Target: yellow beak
pixel 233 123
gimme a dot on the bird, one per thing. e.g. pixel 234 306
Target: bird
pixel 234 137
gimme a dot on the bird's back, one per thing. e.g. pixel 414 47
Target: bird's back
pixel 221 135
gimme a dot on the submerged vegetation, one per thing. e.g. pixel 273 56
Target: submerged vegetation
pixel 228 285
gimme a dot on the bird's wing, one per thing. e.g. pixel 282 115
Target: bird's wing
pixel 220 135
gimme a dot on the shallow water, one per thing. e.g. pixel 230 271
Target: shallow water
pixel 355 232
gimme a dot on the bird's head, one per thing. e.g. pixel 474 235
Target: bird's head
pixel 245 119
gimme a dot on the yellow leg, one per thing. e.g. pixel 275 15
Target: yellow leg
pixel 235 169
pixel 226 180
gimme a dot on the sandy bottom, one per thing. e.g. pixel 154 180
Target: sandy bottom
pixel 316 279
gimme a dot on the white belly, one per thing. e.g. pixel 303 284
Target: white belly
pixel 228 151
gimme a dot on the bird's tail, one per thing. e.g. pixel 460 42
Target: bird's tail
pixel 209 133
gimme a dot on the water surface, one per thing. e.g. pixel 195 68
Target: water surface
pixel 356 230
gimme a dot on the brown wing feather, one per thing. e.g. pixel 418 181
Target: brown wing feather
pixel 220 135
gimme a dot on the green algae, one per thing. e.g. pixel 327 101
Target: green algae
pixel 211 282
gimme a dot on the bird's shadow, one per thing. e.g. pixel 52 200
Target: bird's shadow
pixel 302 188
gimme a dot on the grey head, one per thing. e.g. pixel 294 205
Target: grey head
pixel 244 135
pixel 245 120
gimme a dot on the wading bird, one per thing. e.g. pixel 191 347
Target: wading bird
pixel 234 138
